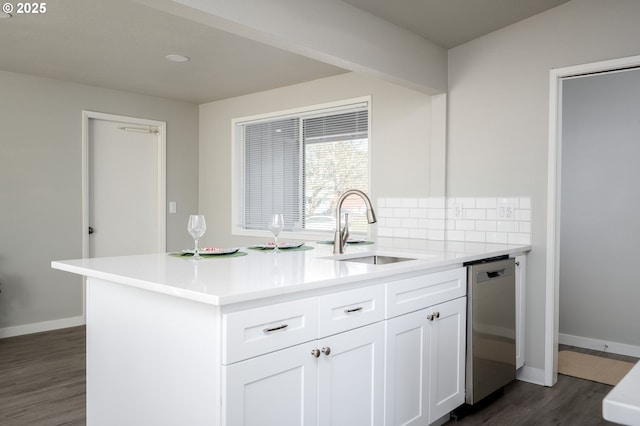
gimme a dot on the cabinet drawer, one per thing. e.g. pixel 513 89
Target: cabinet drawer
pixel 412 294
pixel 350 309
pixel 257 331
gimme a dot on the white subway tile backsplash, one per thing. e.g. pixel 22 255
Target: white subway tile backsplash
pixel 409 222
pixel 401 212
pixel 418 233
pixel 384 211
pixel 436 235
pixel 497 237
pixel 518 238
pixel 465 225
pixel 503 226
pixel 454 235
pixel 524 227
pixel 394 202
pixel 433 219
pixel 401 232
pixel 486 225
pixel 436 213
pixel 385 232
pixel 475 236
pixel 418 212
pixel 523 214
pixel 394 222
pixel 438 224
pixel 477 214
pixel 409 202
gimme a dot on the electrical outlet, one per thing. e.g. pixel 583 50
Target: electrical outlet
pixel 457 210
pixel 506 211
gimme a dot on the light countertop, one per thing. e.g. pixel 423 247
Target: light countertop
pixel 622 404
pixel 262 274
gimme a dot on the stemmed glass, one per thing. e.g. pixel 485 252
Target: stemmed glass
pixel 196 228
pixel 276 226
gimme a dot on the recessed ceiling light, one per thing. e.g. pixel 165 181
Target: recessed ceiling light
pixel 177 58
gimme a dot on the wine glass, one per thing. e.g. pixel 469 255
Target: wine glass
pixel 276 226
pixel 196 228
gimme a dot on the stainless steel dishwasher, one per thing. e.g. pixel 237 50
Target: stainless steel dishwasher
pixel 491 327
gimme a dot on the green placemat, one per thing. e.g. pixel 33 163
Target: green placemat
pixel 355 243
pixel 210 256
pixel 301 248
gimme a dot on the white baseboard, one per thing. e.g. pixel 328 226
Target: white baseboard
pixel 19 330
pixel 599 345
pixel 531 375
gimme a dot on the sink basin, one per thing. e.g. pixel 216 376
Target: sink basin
pixel 376 259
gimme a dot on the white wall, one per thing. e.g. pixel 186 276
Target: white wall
pixel 40 189
pixel 499 107
pixel 400 141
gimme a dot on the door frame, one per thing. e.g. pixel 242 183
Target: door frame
pixel 161 128
pixel 554 197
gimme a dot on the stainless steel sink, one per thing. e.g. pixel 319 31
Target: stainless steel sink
pixel 376 259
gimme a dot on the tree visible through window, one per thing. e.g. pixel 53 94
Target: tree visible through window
pixel 299 165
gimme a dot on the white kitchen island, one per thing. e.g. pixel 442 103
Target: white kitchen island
pixel 622 403
pixel 296 337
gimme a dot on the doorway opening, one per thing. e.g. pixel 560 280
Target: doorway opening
pixel 557 76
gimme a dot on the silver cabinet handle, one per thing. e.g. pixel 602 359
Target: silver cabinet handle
pixel 352 310
pixel 433 316
pixel 316 353
pixel 326 350
pixel 280 327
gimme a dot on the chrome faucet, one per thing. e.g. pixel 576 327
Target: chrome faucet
pixel 342 234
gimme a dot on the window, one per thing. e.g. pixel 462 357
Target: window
pixel 298 164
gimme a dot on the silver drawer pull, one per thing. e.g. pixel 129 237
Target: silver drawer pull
pixel 280 327
pixel 352 310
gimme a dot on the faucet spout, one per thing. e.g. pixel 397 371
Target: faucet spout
pixel 342 235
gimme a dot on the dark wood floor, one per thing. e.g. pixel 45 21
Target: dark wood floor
pixel 42 383
pixel 42 379
pixel 570 402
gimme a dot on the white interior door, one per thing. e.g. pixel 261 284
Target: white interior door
pixel 125 162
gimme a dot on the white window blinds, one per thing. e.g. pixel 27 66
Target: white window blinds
pixel 299 165
pixel 272 172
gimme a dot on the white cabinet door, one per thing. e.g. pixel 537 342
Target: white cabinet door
pixel 351 378
pixel 425 363
pixel 447 359
pixel 279 388
pixel 407 374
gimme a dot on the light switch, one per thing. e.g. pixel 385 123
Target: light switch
pixel 172 207
pixel 506 211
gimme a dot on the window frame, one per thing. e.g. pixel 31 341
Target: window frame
pixel 237 166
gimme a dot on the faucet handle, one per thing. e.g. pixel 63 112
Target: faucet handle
pixel 345 230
